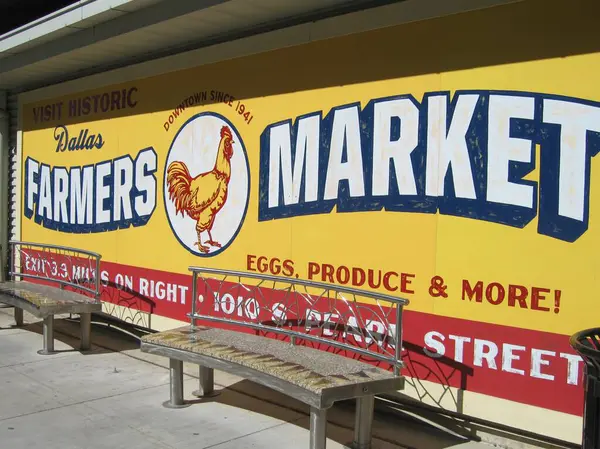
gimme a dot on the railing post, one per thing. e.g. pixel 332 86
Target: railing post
pixel 398 348
pixel 12 249
pixel 97 277
pixel 194 298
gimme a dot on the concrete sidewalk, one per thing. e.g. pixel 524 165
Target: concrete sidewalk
pixel 111 396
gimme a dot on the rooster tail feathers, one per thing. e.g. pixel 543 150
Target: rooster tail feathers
pixel 178 180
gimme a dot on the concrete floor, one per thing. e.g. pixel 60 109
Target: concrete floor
pixel 111 396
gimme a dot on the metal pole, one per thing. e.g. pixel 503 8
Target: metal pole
pixel 398 348
pixel 48 337
pixel 318 428
pixel 12 260
pixel 206 379
pixel 97 277
pixel 194 298
pixel 175 385
pixel 85 322
pixel 363 422
pixel 5 180
pixel 591 412
pixel 18 316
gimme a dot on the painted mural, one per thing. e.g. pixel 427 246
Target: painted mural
pixel 471 193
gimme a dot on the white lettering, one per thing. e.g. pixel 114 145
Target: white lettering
pixel 82 182
pixel 575 120
pixel 227 304
pixel 438 346
pixel 508 356
pixel 502 149
pixel 445 149
pixel 61 193
pixel 306 156
pixel 102 192
pixel 159 290
pixel 313 318
pixel 45 200
pixel 489 355
pixel 122 182
pixel 251 307
pixel 145 182
pixel 279 314
pixel 182 291
pixel 459 346
pixel 144 284
pixel 345 134
pixel 572 367
pixel 537 361
pixel 171 292
pixel 330 321
pixel 353 329
pixel 32 186
pixel 104 278
pixel 375 331
pixel 400 149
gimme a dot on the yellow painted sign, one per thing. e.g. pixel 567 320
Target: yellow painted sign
pixel 471 193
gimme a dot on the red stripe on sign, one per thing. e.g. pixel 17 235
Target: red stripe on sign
pixel 530 367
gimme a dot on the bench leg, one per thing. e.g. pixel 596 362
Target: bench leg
pixel 176 385
pixel 363 422
pixel 48 336
pixel 18 316
pixel 318 428
pixel 85 321
pixel 207 383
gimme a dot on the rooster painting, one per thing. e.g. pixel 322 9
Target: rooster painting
pixel 202 197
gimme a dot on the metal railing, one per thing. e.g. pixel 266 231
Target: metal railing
pixel 343 318
pixel 73 267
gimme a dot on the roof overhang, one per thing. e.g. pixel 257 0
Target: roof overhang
pixel 93 36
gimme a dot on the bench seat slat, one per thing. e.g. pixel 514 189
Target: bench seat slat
pixel 43 300
pixel 323 377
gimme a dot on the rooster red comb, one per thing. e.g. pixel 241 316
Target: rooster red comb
pixel 225 131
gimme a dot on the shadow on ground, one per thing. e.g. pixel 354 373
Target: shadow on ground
pixel 400 420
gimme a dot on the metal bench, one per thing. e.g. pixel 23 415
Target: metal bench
pixel 46 280
pixel 315 342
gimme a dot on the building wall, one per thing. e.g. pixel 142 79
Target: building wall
pixel 495 254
